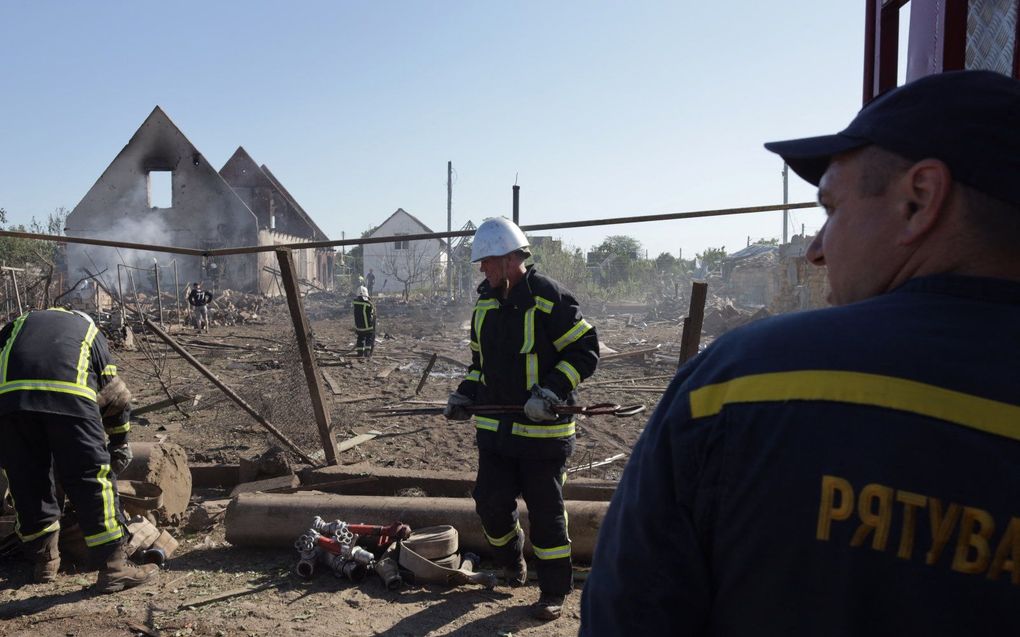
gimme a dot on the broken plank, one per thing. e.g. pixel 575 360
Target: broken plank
pixel 350 443
pixel 161 404
pixel 387 371
pixel 636 352
pixel 334 386
pixel 359 399
pixel 216 597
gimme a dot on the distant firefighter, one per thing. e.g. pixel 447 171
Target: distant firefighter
pixel 364 322
pixel 199 300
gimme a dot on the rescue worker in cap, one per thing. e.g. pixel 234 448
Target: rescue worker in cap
pixel 60 400
pixel 364 322
pixel 530 346
pixel 852 470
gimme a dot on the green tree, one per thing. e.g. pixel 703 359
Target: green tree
pixel 616 259
pixel 712 258
pixel 774 241
pixel 565 264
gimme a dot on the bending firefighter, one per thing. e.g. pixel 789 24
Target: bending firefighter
pixel 60 398
pixel 531 347
pixel 364 322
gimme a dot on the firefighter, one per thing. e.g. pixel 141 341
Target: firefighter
pixel 852 470
pixel 529 346
pixel 364 322
pixel 60 400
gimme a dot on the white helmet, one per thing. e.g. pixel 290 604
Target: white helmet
pixel 496 237
pixel 363 291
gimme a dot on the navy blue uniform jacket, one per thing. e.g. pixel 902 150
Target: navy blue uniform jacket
pixel 848 471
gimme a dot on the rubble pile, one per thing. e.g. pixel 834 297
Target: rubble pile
pixel 231 307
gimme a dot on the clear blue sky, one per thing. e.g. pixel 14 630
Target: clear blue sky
pixel 601 109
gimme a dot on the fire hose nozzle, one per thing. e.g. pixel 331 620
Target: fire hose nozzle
pixel 389 572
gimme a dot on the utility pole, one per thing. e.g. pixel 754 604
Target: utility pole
pixel 449 228
pixel 517 204
pixel 786 200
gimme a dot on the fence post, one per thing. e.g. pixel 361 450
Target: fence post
pixel 305 345
pixel 691 336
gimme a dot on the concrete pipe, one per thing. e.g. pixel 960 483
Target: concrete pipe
pixel 166 466
pixel 276 520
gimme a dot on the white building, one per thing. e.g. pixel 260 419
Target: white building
pixel 402 265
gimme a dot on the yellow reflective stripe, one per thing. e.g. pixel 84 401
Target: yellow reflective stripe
pixel 570 372
pixel 876 390
pixel 483 380
pixel 474 346
pixel 474 375
pixel 544 431
pixel 555 553
pixel 61 386
pixel 109 370
pixel 86 350
pixel 28 538
pixel 119 429
pixel 544 304
pixel 481 307
pixel 113 529
pixel 580 329
pixel 529 331
pixel 18 324
pixel 103 538
pixel 530 370
pixel 503 540
pixel 489 424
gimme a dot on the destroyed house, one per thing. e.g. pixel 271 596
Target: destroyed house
pixel 161 190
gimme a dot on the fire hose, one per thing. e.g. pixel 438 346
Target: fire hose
pixel 334 544
pixel 598 409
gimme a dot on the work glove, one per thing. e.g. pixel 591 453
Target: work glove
pixel 540 406
pixel 120 457
pixel 456 407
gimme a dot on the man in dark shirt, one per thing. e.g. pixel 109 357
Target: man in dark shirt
pixel 199 300
pixel 852 470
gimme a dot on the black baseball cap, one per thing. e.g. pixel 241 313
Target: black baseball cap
pixel 968 119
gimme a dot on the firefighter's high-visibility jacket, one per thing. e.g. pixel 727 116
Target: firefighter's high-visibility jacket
pixel 848 471
pixel 56 361
pixel 364 314
pixel 536 336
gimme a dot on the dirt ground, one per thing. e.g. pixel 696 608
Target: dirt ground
pixel 260 360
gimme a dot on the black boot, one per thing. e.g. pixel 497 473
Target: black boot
pixel 117 572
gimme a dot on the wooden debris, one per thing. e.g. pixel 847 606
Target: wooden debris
pixel 600 463
pixel 216 597
pixel 269 484
pixel 358 399
pixel 334 385
pixel 162 404
pixel 386 371
pixel 425 374
pixel 636 352
pixel 350 443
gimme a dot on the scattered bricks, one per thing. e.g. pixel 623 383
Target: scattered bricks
pixel 206 515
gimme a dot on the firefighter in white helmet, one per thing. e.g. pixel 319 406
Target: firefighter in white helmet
pixel 530 346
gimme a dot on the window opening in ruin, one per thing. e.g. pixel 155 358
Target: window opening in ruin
pixel 902 45
pixel 160 188
pixel 401 245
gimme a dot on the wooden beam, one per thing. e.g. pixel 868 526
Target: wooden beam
pixel 303 334
pixel 691 337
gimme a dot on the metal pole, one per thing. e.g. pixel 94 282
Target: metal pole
pixel 159 294
pixel 786 200
pixel 449 228
pixel 177 293
pixel 17 293
pixel 517 204
pixel 305 340
pixel 120 296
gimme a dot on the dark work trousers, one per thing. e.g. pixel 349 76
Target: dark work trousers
pixel 35 447
pixel 366 341
pixel 540 481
